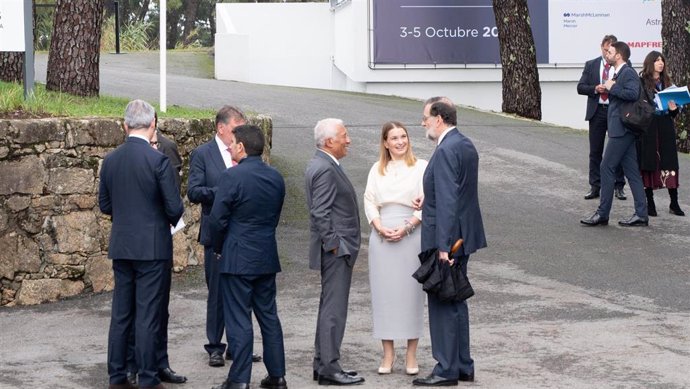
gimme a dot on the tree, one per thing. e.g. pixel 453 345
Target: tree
pixel 75 47
pixel 521 90
pixel 12 63
pixel 675 16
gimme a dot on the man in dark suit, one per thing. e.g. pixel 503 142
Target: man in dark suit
pixel 206 164
pixel 333 246
pixel 143 206
pixel 450 211
pixel 591 84
pixel 621 148
pixel 165 372
pixel 243 222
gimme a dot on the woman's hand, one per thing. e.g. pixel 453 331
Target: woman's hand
pixel 672 105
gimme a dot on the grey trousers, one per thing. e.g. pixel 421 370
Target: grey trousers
pixel 336 277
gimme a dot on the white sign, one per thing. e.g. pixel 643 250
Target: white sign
pixel 576 28
pixel 12 25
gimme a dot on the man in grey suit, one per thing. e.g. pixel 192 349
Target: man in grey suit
pixel 621 149
pixel 333 246
pixel 450 211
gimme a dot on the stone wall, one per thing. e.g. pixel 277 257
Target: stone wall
pixel 53 237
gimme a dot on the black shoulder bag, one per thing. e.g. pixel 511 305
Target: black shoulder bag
pixel 637 115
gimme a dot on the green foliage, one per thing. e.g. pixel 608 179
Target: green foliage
pixel 134 35
pixel 47 103
pixel 688 27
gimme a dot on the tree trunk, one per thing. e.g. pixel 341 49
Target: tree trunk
pixel 75 47
pixel 11 66
pixel 675 15
pixel 12 63
pixel 144 10
pixel 521 90
pixel 190 12
pixel 173 16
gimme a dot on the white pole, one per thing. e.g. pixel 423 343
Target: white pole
pixel 163 57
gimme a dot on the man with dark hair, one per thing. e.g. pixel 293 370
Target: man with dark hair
pixel 450 211
pixel 620 149
pixel 143 206
pixel 206 163
pixel 591 84
pixel 242 224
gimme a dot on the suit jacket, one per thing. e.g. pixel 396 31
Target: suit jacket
pixel 451 203
pixel 205 168
pixel 333 211
pixel 137 187
pixel 591 77
pixel 244 218
pixel 169 148
pixel 626 88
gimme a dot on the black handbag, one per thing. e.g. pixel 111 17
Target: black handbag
pixel 637 115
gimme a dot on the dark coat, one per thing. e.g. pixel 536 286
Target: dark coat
pixel 205 167
pixel 137 187
pixel 169 148
pixel 660 137
pixel 626 88
pixel 451 201
pixel 244 217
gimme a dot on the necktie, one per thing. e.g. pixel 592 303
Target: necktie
pixel 605 76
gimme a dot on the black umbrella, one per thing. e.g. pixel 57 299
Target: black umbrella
pixel 446 281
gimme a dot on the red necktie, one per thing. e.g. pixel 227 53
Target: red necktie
pixel 605 76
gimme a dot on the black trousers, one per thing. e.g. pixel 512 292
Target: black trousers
pixel 597 136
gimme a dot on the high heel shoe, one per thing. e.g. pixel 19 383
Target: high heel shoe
pixel 387 370
pixel 412 370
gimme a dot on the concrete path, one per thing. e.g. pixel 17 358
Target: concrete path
pixel 557 305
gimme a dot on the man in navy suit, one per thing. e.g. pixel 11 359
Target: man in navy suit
pixel 242 223
pixel 206 163
pixel 137 188
pixel 591 84
pixel 621 148
pixel 165 372
pixel 450 211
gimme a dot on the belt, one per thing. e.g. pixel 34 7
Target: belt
pixel 605 106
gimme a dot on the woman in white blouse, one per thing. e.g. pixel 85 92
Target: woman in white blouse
pixel 397 299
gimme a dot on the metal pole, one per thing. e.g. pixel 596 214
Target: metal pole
pixel 28 50
pixel 163 59
pixel 117 27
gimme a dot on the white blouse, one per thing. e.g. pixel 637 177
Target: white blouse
pixel 400 185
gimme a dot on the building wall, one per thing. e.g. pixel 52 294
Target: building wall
pixel 309 45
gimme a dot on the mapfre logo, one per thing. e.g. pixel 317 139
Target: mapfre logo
pixel 645 44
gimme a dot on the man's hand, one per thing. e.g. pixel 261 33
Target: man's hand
pixel 600 88
pixel 609 84
pixel 417 203
pixel 443 257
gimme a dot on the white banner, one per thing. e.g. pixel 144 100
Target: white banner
pixel 576 28
pixel 12 25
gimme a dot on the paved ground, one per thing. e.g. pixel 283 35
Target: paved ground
pixel 557 305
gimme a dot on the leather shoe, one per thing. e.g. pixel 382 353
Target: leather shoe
pixel 592 194
pixel 122 386
pixel 340 379
pixel 216 359
pixel 232 385
pixel 434 380
pixel 132 378
pixel 351 373
pixel 466 377
pixel 634 221
pixel 595 220
pixel 169 375
pixel 255 357
pixel 619 193
pixel 274 383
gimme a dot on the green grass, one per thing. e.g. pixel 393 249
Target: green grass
pixel 48 103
